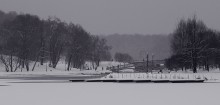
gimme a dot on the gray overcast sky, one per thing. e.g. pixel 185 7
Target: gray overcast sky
pixel 121 16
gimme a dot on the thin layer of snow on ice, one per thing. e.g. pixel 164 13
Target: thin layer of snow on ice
pixel 109 94
pixel 63 92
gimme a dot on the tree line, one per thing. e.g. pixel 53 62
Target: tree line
pixel 25 38
pixel 194 46
pixel 123 57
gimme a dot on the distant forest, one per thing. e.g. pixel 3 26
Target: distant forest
pixel 25 38
pixel 135 45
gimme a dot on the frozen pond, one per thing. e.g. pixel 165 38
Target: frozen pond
pixel 67 93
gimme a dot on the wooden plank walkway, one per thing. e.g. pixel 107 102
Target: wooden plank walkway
pixel 146 78
pixel 139 81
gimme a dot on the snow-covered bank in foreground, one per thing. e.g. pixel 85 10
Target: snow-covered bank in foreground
pixel 74 73
pixel 62 66
pixel 59 70
pixel 109 94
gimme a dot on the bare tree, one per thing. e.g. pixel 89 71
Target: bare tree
pixel 9 50
pixel 190 40
pixel 78 46
pixel 22 31
pixel 56 32
pixel 100 51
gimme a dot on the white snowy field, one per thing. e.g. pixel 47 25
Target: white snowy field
pixel 59 70
pixel 57 90
pixel 68 93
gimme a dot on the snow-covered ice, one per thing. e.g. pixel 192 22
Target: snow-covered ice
pixel 14 91
pixel 67 93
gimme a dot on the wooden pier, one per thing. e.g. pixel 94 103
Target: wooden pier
pixel 140 81
pixel 146 78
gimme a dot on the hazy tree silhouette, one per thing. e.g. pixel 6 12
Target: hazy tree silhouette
pixel 191 40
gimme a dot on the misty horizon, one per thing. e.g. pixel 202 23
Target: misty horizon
pixel 116 52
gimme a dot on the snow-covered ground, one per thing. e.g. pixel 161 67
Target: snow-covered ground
pixel 17 91
pixel 63 92
pixel 67 93
pixel 59 70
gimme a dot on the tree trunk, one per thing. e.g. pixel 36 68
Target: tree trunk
pixel 69 61
pixel 207 67
pixel 41 61
pixel 42 51
pixel 35 63
pixel 194 65
pixel 207 64
pixel 22 63
pixel 27 65
pixel 93 65
pixel 11 63
pixel 98 63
